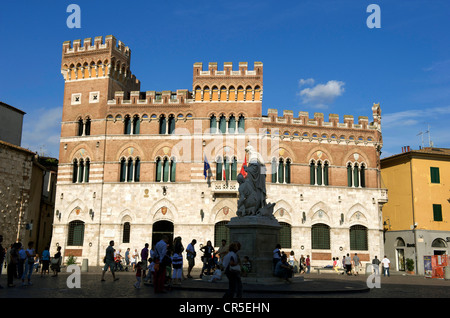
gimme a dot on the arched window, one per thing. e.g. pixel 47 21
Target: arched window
pixel 130 170
pixel 80 127
pixel 219 168
pixel 233 169
pixel 362 174
pixel 358 238
pixel 226 163
pixel 171 124
pixel 87 127
pixel 76 233
pixel 127 125
pixel 287 173
pixel 137 170
pixel 166 167
pixel 232 125
pixel 349 175
pixel 325 173
pixel 320 237
pixel 319 173
pixel 312 173
pixel 123 170
pixel 162 125
pixel 158 169
pixel 281 171
pixel 221 232
pixel 274 170
pixel 126 232
pixel 438 243
pixel 173 168
pixel 223 124
pixel 241 124
pixel 75 171
pixel 86 170
pixel 356 175
pixel 80 171
pixel 136 125
pixel 213 124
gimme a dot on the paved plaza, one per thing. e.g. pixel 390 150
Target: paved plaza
pixel 325 285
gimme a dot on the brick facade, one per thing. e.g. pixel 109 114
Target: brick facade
pixel 100 87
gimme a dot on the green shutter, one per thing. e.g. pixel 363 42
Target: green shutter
pixel 437 212
pixel 434 172
pixel 312 171
pixel 173 168
pixel 158 170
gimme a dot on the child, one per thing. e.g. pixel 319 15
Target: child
pixel 151 270
pixel 217 275
pixel 246 266
pixel 138 275
pixel 177 264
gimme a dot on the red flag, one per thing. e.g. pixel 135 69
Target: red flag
pixel 223 171
pixel 242 168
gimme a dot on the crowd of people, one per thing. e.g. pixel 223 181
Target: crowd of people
pixel 162 264
pixel 22 261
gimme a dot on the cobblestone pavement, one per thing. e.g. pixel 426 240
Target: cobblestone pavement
pixel 325 285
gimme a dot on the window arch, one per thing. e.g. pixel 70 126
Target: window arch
pixel 80 170
pixel 87 126
pixel 232 124
pixel 358 238
pixel 165 169
pixel 127 125
pixel 356 175
pixel 320 237
pixel 213 124
pixel 76 233
pixel 219 163
pixel 130 169
pixel 241 124
pixel 126 231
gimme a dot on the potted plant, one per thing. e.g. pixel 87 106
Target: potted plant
pixel 410 266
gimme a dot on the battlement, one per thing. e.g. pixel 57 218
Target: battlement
pixel 228 69
pixel 87 46
pixel 180 96
pixel 318 119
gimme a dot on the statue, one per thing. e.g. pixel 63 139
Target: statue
pixel 252 189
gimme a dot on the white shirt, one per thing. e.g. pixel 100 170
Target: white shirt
pixel 161 249
pixel 227 258
pixel 385 262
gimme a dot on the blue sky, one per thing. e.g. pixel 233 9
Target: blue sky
pixel 319 56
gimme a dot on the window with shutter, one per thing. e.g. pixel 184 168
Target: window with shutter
pixel 437 212
pixel 434 172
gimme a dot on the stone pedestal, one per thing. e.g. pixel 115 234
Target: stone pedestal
pixel 258 237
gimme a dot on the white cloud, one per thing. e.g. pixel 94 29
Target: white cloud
pixel 302 82
pixel 41 131
pixel 320 95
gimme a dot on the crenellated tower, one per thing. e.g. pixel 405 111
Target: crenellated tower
pixel 93 71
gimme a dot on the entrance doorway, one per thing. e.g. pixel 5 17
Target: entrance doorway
pixel 401 259
pixel 161 228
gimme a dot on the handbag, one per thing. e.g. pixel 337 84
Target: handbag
pixel 235 268
pixel 54 261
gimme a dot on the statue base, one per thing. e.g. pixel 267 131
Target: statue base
pixel 258 236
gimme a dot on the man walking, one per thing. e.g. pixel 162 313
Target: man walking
pixel 109 261
pixel 190 250
pixel 386 264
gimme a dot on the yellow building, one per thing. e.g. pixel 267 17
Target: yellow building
pixel 416 218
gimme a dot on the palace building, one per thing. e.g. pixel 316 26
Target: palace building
pixel 131 162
